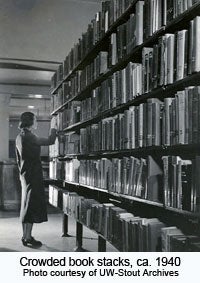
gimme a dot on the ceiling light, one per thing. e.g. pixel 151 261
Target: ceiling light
pixel 31 107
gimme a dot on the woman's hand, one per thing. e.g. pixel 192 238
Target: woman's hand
pixel 54 124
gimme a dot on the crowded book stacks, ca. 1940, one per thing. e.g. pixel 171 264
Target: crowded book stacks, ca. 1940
pixel 126 100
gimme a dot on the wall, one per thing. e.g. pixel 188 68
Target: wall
pixel 43 29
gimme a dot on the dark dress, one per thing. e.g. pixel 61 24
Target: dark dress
pixel 33 204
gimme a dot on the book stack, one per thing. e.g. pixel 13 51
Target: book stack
pixel 135 28
pixel 58 148
pixel 181 183
pixel 128 176
pixel 69 116
pixel 174 240
pixel 102 21
pixel 127 232
pixel 127 36
pixel 70 203
pixel 57 100
pixel 72 143
pixel 57 77
pixel 72 170
pixel 86 109
pixel 180 117
pixel 116 9
pixel 177 7
pixel 55 196
pixel 172 59
pixel 92 71
pixel 67 88
pixel 123 145
pixel 139 126
pixel 154 16
pixel 56 170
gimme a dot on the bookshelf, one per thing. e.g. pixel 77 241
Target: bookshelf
pixel 127 110
pixel 117 197
pixel 184 17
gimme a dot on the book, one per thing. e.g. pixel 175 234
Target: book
pixel 154 180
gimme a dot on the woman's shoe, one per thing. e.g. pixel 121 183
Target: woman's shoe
pixel 31 243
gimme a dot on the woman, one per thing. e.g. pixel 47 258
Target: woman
pixel 33 205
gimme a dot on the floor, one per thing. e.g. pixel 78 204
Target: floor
pixel 50 233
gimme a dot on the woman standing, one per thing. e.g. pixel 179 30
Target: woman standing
pixel 33 204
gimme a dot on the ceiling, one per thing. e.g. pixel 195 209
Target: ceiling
pixel 36 36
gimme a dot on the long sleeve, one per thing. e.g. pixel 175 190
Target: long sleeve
pixel 47 141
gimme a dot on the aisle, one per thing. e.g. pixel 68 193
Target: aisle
pixel 49 233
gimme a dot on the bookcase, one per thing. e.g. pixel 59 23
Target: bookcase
pixel 126 100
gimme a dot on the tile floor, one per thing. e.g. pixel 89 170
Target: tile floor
pixel 50 233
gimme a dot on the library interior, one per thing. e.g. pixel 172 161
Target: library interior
pixel 113 157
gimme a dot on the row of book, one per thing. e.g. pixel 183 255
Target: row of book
pixel 172 122
pixel 155 123
pixel 91 72
pixel 69 116
pixel 121 87
pixel 126 231
pixel 177 7
pixel 111 10
pixel 182 183
pixel 172 181
pixel 139 126
pixel 159 13
pixel 181 117
pixel 68 144
pixel 127 35
pixel 128 176
pixel 172 59
pixel 56 170
pixel 147 19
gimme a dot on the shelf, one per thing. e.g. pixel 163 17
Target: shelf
pixel 180 149
pixel 184 212
pixel 171 27
pixel 186 16
pixel 97 48
pixel 112 194
pixel 71 183
pixel 160 92
pixel 98 234
pixel 136 199
pixel 86 186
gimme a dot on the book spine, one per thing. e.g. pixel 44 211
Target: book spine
pixel 181 117
pixel 149 119
pixel 140 125
pixel 170 59
pixel 139 22
pixel 195 110
pixel 181 38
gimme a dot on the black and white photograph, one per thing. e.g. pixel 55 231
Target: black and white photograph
pixel 100 127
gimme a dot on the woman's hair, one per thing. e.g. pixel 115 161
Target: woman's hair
pixel 26 120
